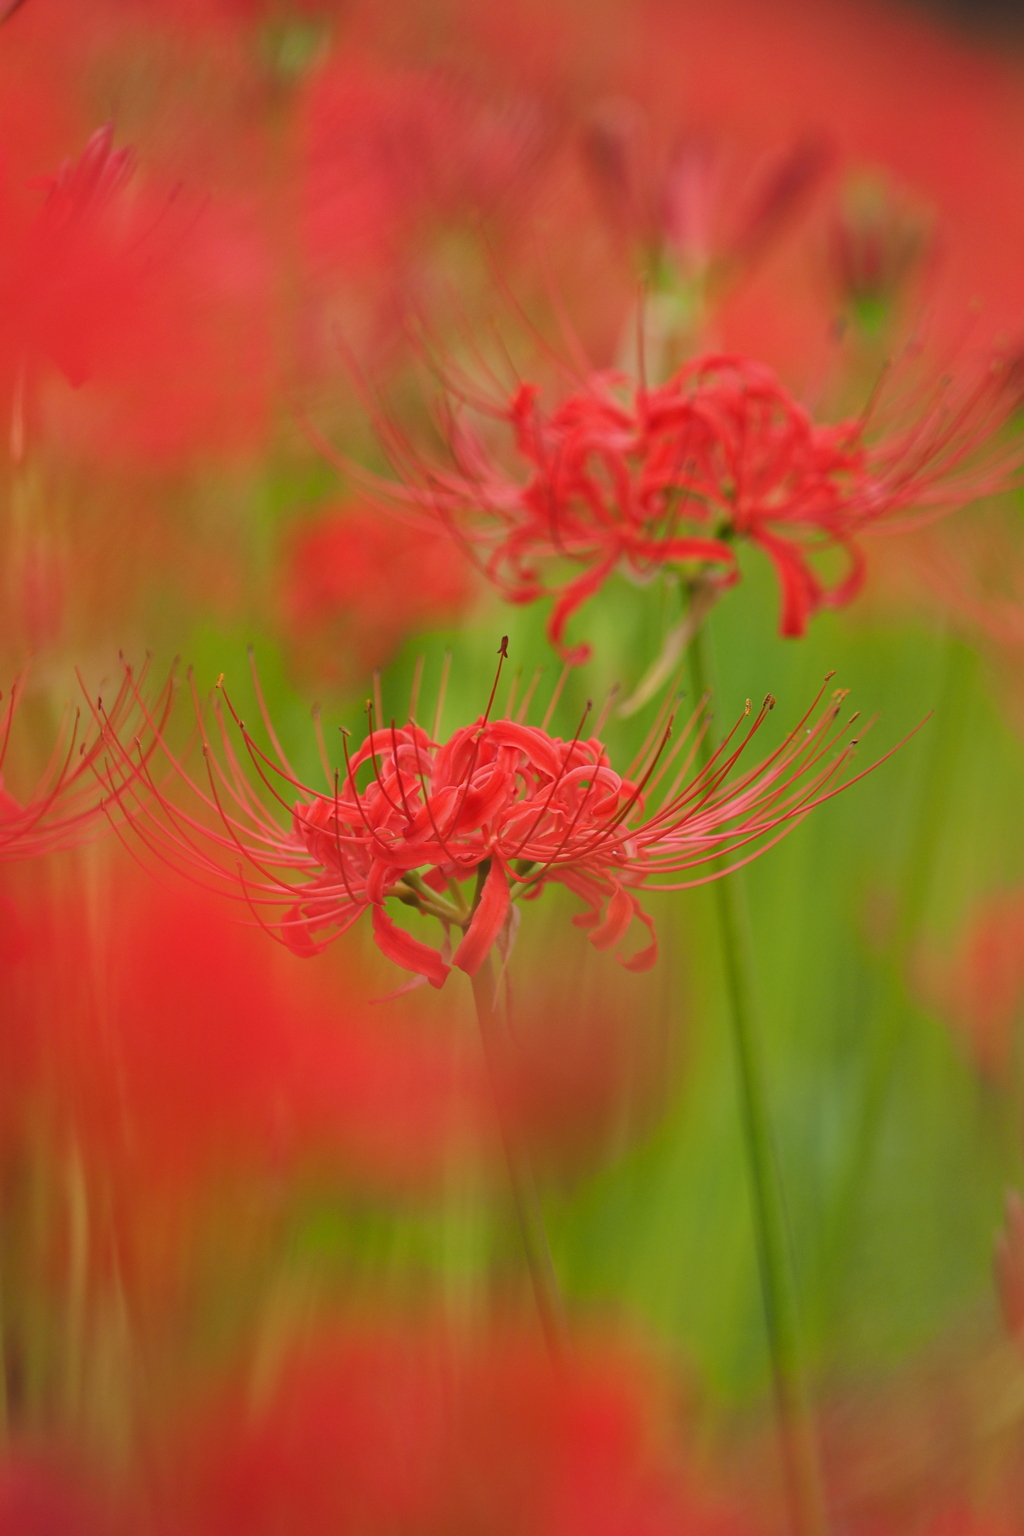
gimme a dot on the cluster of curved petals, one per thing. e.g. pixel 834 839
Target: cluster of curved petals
pixel 72 798
pixel 620 476
pixel 461 829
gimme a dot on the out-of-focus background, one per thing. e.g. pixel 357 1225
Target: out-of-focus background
pixel 239 1191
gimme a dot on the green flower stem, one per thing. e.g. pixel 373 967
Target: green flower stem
pixel 493 1035
pixel 415 893
pixel 797 1438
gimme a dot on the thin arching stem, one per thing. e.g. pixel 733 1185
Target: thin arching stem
pixel 797 1437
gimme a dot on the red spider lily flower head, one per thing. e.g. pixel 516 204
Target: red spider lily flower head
pixel 389 1430
pixel 64 239
pixel 357 583
pixel 680 202
pixel 66 804
pixel 49 262
pixel 389 157
pixel 154 301
pixel 388 148
pixel 500 804
pixel 620 476
pixel 877 241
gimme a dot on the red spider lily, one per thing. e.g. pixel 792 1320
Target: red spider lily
pixel 878 241
pixel 501 803
pixel 51 262
pixel 622 476
pixel 390 157
pixel 157 304
pixel 387 1430
pixel 67 802
pixel 675 202
pixel 356 583
pixel 387 149
pixel 65 241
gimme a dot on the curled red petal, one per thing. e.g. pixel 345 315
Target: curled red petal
pixel 710 551
pixel 644 958
pixel 800 590
pixel 377 880
pixel 497 789
pixel 851 584
pixel 406 951
pixel 535 744
pixel 572 597
pixel 617 918
pixel 622 907
pixel 490 914
pixel 297 935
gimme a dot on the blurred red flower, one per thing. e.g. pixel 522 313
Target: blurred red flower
pixel 384 1431
pixel 174 1047
pixel 387 148
pixel 679 203
pixel 389 156
pixel 358 582
pixel 948 129
pixel 156 301
pixel 878 241
pixel 980 987
pixel 173 1090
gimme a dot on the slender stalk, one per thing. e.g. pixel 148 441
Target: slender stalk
pixel 524 1189
pixel 797 1439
